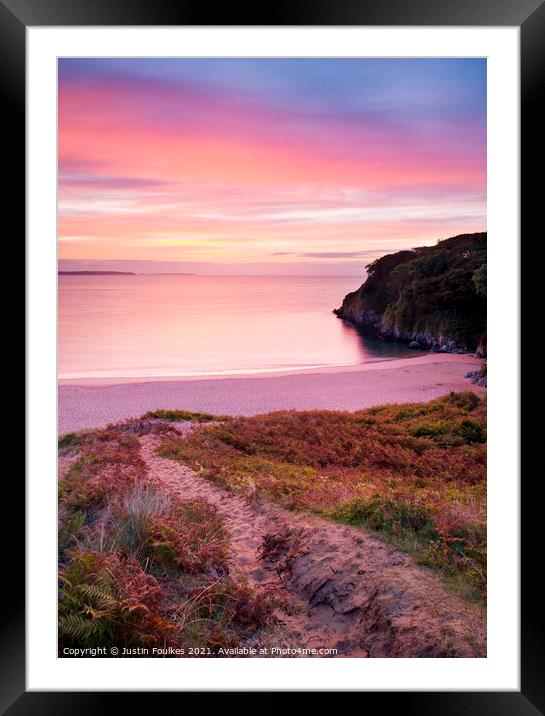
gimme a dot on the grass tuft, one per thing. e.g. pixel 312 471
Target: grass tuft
pixel 70 441
pixel 182 415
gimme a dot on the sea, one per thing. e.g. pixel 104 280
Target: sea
pixel 167 326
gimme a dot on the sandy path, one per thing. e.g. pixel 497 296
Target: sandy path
pixel 350 591
pixel 398 381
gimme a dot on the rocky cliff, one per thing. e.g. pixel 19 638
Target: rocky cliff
pixel 431 297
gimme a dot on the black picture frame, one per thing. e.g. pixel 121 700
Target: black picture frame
pixel 529 15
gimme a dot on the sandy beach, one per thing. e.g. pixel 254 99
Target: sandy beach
pixel 421 378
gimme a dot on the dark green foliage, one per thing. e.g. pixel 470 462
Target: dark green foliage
pixel 71 524
pixel 479 280
pixel 471 431
pixel 466 400
pixel 383 514
pixel 380 289
pixel 183 415
pixel 440 290
pixel 70 441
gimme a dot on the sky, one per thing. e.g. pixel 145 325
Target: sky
pixel 288 166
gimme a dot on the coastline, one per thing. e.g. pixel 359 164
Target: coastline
pixel 89 403
pixel 92 381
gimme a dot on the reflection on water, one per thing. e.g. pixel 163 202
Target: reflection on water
pixel 138 326
pixel 373 348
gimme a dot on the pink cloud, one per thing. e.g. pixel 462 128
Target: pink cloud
pixel 142 165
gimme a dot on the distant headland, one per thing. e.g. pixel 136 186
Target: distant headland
pixel 119 273
pixel 96 273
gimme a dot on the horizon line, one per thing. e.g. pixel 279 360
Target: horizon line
pixel 97 272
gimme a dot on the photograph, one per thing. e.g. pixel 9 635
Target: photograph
pixel 272 357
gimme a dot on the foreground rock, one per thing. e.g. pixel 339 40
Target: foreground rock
pixel 478 377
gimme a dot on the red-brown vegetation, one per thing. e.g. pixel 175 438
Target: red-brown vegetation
pixel 415 473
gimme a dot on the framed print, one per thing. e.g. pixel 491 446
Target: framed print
pixel 266 264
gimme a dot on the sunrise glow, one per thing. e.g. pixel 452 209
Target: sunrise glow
pixel 272 165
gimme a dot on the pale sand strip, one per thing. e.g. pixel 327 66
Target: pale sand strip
pixel 348 388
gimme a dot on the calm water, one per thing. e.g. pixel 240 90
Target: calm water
pixel 149 326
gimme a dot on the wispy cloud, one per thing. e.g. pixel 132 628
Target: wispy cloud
pixel 107 181
pixel 333 254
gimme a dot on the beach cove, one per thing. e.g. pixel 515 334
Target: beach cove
pixel 94 403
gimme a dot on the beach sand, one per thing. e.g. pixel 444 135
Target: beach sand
pixel 424 377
